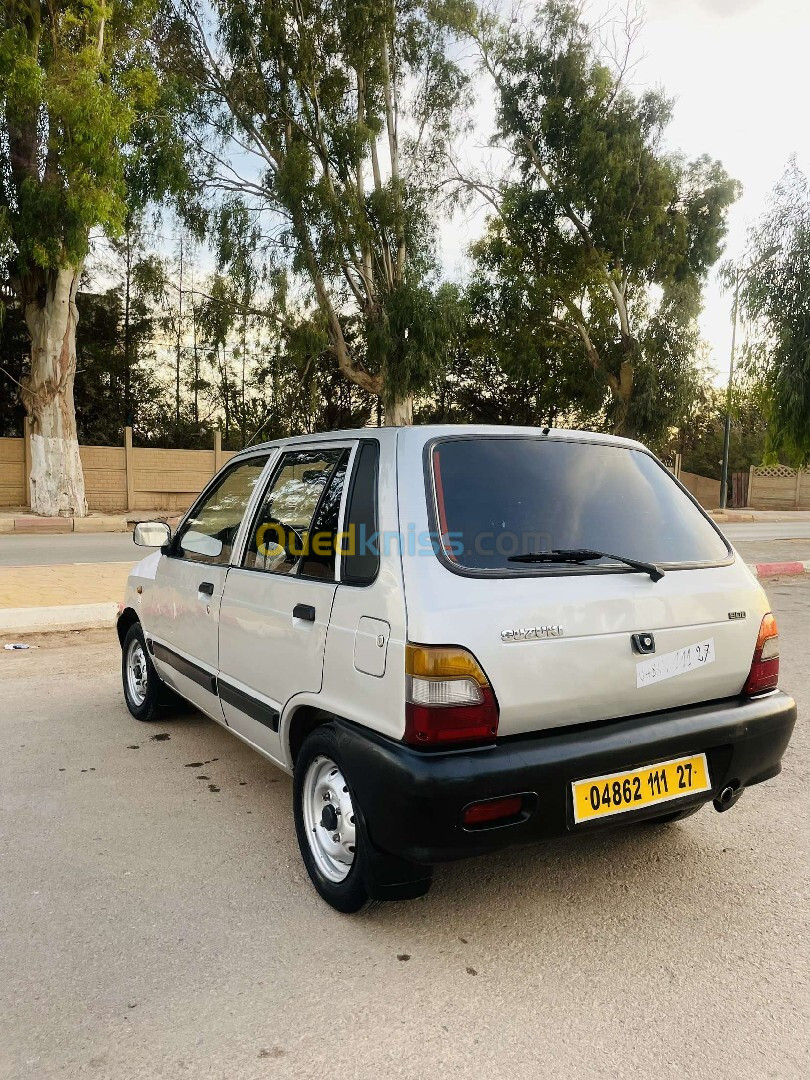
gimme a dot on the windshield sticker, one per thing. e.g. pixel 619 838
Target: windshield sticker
pixel 668 665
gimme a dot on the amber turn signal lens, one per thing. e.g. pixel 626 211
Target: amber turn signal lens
pixel 443 662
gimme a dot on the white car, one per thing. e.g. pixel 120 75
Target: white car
pixel 460 638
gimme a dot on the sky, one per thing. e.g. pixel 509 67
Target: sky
pixel 739 71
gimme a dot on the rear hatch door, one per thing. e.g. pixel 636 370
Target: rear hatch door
pixel 556 639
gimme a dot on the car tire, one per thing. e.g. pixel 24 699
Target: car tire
pixel 674 815
pixel 321 782
pixel 143 689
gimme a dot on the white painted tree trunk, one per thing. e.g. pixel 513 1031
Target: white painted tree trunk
pixel 400 412
pixel 57 482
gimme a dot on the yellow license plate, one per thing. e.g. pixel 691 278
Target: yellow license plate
pixel 601 796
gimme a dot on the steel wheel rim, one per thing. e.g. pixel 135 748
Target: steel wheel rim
pixel 329 819
pixel 137 676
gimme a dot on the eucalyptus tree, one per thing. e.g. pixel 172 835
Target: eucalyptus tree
pixel 328 121
pixel 775 298
pixel 75 79
pixel 611 235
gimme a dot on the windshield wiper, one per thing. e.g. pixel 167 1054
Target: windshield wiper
pixel 581 555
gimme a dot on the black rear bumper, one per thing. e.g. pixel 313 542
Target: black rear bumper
pixel 413 801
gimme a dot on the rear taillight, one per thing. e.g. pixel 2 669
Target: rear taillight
pixel 764 673
pixel 448 697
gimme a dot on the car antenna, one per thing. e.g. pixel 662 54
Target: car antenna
pixel 258 430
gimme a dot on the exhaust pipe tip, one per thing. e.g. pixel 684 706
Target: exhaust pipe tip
pixel 727 798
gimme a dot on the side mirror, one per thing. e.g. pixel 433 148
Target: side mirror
pixel 152 534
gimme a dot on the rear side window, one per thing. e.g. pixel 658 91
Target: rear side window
pixel 280 535
pixel 319 559
pixel 361 555
pixel 501 497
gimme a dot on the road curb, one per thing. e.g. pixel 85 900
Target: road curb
pixel 780 569
pixel 30 525
pixel 735 517
pixel 46 620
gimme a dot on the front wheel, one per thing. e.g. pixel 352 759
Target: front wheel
pixel 142 686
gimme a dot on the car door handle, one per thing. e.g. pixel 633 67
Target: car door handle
pixel 207 587
pixel 305 612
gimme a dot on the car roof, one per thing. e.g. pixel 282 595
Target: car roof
pixel 421 434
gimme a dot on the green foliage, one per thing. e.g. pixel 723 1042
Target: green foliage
pixel 327 122
pixel 775 297
pixel 607 238
pixel 116 382
pixel 101 380
pixel 76 81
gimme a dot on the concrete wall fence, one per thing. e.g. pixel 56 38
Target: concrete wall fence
pixel 704 489
pixel 13 486
pixel 122 477
pixel 139 478
pixel 778 487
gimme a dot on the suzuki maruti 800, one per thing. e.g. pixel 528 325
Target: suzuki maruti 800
pixel 459 638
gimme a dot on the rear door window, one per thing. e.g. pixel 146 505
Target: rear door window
pixel 496 498
pixel 280 535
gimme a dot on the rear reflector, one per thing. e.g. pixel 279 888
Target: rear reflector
pixel 764 673
pixel 493 810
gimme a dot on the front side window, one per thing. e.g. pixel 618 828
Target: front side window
pixel 280 536
pixel 209 533
pixel 498 501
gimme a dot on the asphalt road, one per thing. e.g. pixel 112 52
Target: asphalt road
pixel 157 921
pixel 26 550
pixel 754 540
pixel 770 541
pixel 766 530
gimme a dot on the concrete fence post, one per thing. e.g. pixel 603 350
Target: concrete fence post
pixel 27 460
pixel 130 467
pixel 217 450
pixel 751 473
pixel 797 499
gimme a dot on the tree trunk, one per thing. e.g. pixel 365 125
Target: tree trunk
pixel 623 394
pixel 400 412
pixel 49 305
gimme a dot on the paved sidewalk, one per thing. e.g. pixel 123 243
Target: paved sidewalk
pixel 77 596
pixel 37 599
pixel 57 586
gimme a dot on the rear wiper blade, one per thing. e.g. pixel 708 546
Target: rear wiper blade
pixel 580 555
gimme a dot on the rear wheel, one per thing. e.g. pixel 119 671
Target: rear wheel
pixel 331 833
pixel 142 686
pixel 343 864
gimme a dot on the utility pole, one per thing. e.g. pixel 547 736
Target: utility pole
pixel 727 431
pixel 739 276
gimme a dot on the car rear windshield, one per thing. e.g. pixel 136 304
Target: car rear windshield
pixel 500 497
